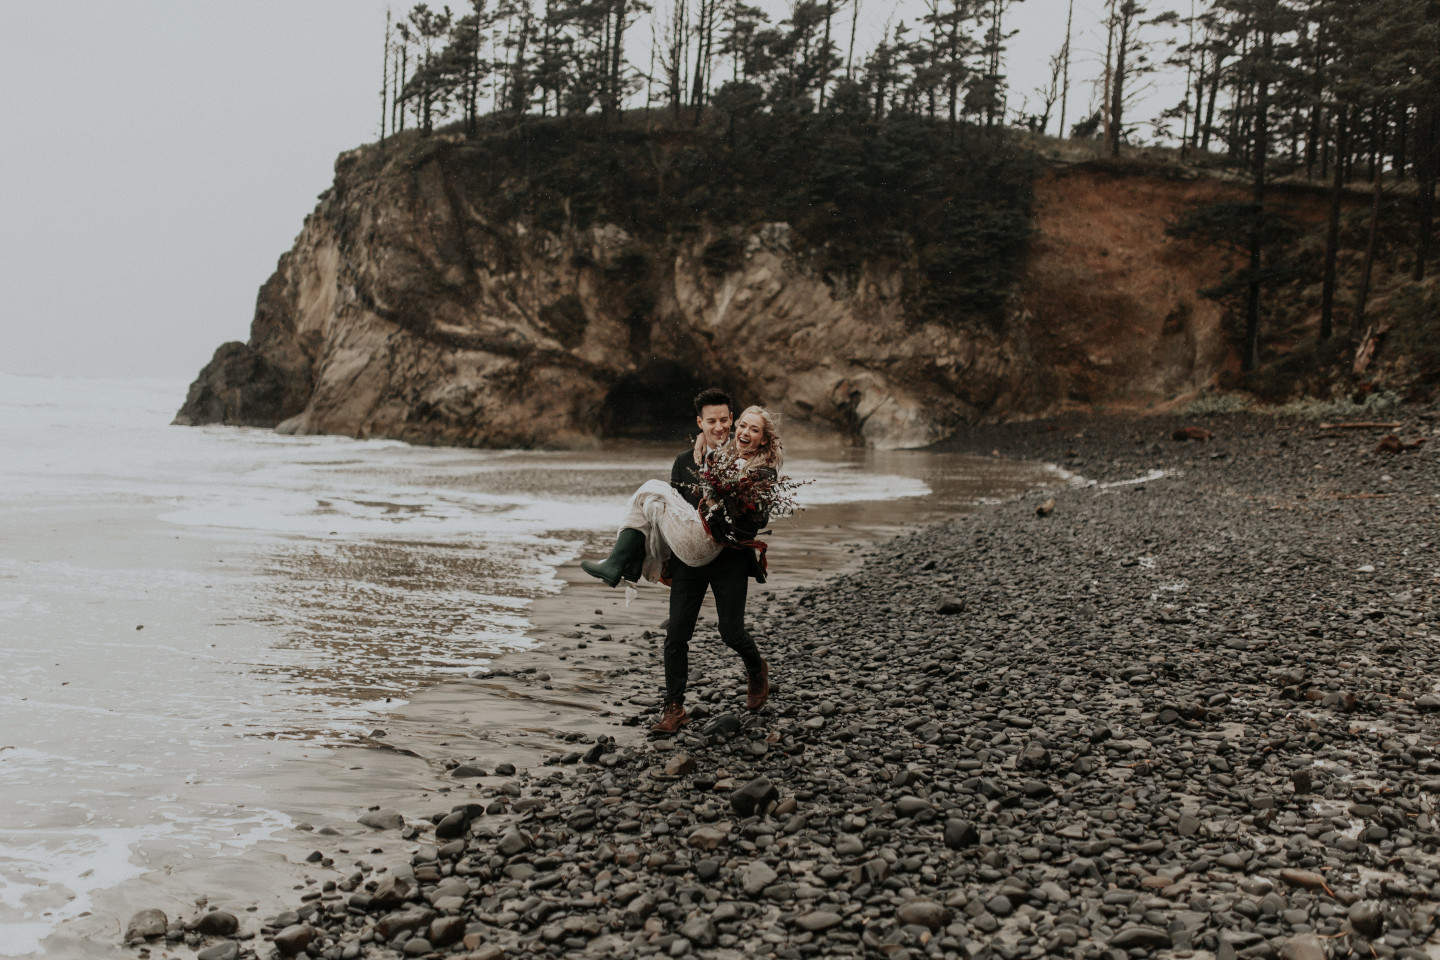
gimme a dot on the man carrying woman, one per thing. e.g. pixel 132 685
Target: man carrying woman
pixel 674 532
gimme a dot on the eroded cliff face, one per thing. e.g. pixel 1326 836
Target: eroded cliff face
pixel 405 311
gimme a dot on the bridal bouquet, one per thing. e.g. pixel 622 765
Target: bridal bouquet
pixel 728 493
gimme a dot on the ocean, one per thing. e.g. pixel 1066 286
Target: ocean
pixel 184 611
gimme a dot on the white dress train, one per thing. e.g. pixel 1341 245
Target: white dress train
pixel 671 526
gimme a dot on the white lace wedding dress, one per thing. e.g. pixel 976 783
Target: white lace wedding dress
pixel 671 526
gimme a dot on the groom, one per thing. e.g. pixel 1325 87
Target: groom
pixel 727 577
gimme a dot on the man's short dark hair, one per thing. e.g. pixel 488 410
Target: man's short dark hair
pixel 713 397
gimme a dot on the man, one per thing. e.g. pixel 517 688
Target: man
pixel 727 577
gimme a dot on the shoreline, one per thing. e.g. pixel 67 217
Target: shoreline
pixel 1186 717
pixel 511 716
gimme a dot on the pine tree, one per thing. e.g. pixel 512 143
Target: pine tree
pixel 1129 57
pixel 385 77
pixel 429 84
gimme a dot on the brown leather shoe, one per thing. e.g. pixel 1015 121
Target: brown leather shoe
pixel 758 689
pixel 672 719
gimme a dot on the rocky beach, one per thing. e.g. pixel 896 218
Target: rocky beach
pixel 1186 708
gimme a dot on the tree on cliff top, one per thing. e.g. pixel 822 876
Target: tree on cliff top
pixel 570 59
pixel 430 86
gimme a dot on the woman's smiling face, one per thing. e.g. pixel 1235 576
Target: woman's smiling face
pixel 749 435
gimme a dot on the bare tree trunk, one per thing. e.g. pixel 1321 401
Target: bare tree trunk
pixel 684 58
pixel 650 75
pixel 1109 63
pixel 1117 85
pixel 617 40
pixel 1210 103
pixel 854 19
pixel 1312 140
pixel 518 92
pixel 1425 153
pixel 697 79
pixel 472 88
pixel 425 94
pixel 1332 230
pixel 1367 267
pixel 998 26
pixel 1065 70
pixel 1250 358
pixel 1402 137
pixel 400 83
pixel 1314 143
pixel 709 52
pixel 1201 80
pixel 825 57
pixel 385 76
pixel 1189 75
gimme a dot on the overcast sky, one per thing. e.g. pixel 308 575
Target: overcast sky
pixel 157 157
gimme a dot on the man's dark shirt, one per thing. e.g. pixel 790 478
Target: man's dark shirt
pixel 685 477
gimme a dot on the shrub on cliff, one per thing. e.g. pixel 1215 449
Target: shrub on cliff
pixel 854 190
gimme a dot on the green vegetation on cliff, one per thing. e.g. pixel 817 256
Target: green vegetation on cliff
pixel 900 191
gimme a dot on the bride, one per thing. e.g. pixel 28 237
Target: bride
pixel 660 522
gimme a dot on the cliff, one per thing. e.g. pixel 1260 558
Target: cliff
pixel 424 300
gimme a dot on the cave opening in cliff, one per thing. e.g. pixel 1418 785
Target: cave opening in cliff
pixel 654 403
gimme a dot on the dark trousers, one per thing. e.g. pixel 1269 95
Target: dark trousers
pixel 728 577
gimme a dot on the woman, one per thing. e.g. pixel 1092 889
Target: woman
pixel 660 523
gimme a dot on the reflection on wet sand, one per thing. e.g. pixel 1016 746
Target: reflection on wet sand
pixel 378 619
pixel 371 620
pixel 596 661
pixel 365 596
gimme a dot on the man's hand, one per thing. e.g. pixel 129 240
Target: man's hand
pixel 700 448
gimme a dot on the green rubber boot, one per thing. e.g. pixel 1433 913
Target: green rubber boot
pixel 624 562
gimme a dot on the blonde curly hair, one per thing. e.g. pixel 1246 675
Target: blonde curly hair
pixel 772 451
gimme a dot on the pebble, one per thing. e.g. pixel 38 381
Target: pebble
pixel 1304 947
pixel 960 834
pixel 452 826
pixel 146 925
pixel 924 913
pixel 1149 938
pixel 709 838
pixel 217 923
pixel 754 796
pixel 755 877
pixel 1151 729
pixel 1368 918
pixel 224 950
pixel 294 939
pixel 819 921
pixel 382 820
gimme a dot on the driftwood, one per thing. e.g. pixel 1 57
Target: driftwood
pixel 1368 425
pixel 1191 433
pixel 1390 443
pixel 1366 351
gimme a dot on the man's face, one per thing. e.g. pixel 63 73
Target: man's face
pixel 714 422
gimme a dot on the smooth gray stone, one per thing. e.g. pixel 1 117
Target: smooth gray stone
pixel 147 925
pixel 225 950
pixel 1149 938
pixel 382 820
pixel 217 923
pixel 924 913
pixel 819 921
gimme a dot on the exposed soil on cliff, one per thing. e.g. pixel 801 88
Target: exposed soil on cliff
pixel 1115 306
pixel 445 292
pixel 1112 302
